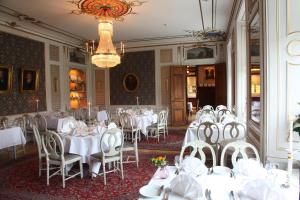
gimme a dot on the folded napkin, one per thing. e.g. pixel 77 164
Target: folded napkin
pixel 250 168
pixel 206 118
pixel 102 116
pixel 187 187
pixel 228 119
pixel 260 190
pixel 111 125
pixel 193 166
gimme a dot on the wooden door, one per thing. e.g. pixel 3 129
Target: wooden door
pixel 178 96
pixel 221 84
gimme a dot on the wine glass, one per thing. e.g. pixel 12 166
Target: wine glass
pixel 177 165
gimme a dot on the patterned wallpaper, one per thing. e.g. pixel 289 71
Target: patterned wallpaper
pixel 143 65
pixel 22 52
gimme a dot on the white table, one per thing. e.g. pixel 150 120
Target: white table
pixel 221 184
pixel 11 137
pixel 56 123
pixel 85 146
pixel 191 133
pixel 144 120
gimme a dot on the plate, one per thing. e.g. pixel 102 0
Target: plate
pixel 221 170
pixel 150 191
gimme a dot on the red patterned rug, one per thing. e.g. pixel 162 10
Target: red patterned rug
pixel 20 181
pixel 173 141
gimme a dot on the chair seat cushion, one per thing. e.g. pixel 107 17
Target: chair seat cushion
pixel 99 156
pixel 69 158
pixel 128 146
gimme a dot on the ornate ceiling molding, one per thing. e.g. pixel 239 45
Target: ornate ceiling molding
pixel 115 9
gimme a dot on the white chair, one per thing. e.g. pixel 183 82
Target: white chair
pixel 197 147
pixel 20 122
pixel 219 107
pixel 167 118
pixel 132 146
pixel 204 112
pixel 222 112
pixel 130 128
pixel 41 153
pixel 41 123
pixel 226 118
pixel 160 127
pixel 208 107
pixel 235 130
pixel 210 133
pixel 55 155
pixel 4 122
pixel 111 146
pixel 240 148
pixel 29 122
pixel 206 117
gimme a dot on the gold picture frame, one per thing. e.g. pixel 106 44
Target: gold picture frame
pixel 29 79
pixel 6 74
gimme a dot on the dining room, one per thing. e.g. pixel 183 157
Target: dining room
pixel 131 99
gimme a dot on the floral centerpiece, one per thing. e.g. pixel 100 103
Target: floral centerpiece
pixel 160 162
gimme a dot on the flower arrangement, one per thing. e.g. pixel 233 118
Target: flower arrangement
pixel 159 161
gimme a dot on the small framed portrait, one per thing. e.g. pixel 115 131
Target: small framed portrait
pixel 6 73
pixel 130 82
pixel 29 79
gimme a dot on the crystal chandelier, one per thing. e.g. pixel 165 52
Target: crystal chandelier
pixel 106 55
pixel 105 11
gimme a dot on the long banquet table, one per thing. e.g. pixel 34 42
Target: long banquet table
pixel 221 185
pixel 11 137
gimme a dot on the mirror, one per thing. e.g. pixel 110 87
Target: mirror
pixel 255 69
pixel 130 82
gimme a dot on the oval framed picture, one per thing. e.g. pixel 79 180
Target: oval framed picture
pixel 131 82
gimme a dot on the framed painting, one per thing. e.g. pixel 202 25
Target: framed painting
pixel 6 73
pixel 77 56
pixel 130 82
pixel 29 79
pixel 203 54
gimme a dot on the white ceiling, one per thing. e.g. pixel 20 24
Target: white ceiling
pixel 155 18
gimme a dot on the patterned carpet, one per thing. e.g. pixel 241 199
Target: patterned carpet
pixel 173 142
pixel 19 179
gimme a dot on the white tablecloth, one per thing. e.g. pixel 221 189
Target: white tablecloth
pixel 221 184
pixel 191 133
pixel 85 146
pixel 11 137
pixel 56 123
pixel 144 121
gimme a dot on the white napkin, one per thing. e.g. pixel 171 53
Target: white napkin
pixel 260 190
pixel 102 116
pixel 193 166
pixel 187 187
pixel 250 168
pixel 206 118
pixel 111 125
pixel 228 119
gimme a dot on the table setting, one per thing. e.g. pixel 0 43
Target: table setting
pixel 248 180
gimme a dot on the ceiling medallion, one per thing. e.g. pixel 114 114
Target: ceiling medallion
pixel 115 9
